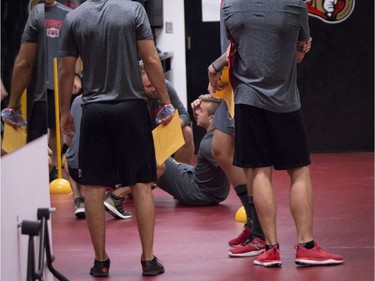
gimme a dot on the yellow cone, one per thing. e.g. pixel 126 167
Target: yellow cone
pixel 60 186
pixel 241 215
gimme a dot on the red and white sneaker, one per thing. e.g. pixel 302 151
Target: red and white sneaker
pixel 269 258
pixel 240 239
pixel 316 256
pixel 252 247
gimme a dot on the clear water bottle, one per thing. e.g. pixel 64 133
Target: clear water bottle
pixel 13 116
pixel 164 112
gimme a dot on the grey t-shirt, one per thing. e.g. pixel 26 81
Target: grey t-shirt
pixel 200 185
pixel 73 151
pixel 34 33
pixel 209 176
pixel 104 33
pixel 54 17
pixel 265 34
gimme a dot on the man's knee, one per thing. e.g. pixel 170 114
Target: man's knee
pixel 160 170
pixel 187 133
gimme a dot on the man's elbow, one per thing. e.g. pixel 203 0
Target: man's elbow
pixel 23 63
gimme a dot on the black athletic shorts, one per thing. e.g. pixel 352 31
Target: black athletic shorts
pixel 36 120
pixel 116 143
pixel 51 109
pixel 264 138
pixel 75 174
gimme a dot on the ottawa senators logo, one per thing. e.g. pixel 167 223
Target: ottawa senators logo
pixel 330 11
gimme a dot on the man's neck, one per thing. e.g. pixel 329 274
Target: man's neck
pixel 50 4
pixel 209 128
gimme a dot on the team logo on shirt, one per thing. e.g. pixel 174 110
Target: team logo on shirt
pixel 53 32
pixel 53 27
pixel 331 11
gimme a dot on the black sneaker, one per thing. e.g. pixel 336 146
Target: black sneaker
pixel 100 268
pixel 152 267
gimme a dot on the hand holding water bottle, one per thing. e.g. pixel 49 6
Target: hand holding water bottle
pixel 165 113
pixel 12 117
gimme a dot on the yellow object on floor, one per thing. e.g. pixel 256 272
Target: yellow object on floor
pixel 60 186
pixel 241 215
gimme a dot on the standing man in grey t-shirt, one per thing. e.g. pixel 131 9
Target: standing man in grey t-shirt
pixel 267 39
pixel 116 136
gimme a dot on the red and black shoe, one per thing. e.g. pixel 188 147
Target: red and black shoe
pixel 100 268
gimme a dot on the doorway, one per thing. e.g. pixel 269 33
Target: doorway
pixel 202 47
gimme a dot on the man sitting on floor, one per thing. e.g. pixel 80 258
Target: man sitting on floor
pixel 205 183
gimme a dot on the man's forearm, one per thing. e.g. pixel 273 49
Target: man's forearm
pixel 20 80
pixel 218 65
pixel 66 79
pixel 155 73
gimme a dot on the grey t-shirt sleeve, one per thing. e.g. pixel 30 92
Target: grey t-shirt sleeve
pixel 31 31
pixel 304 33
pixel 143 28
pixel 67 46
pixel 177 104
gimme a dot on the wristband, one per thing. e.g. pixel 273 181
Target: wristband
pixel 164 101
pixel 78 75
pixel 215 69
pixel 14 106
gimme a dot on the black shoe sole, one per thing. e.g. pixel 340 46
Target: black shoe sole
pixel 80 215
pixel 153 273
pixel 99 274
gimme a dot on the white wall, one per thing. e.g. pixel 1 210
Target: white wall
pixel 173 11
pixel 24 189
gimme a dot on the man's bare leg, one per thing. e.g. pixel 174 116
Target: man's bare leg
pixel 145 215
pixel 264 200
pixel 95 218
pixel 301 203
pixel 186 152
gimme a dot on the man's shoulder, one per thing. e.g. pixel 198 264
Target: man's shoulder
pixel 63 8
pixel 170 88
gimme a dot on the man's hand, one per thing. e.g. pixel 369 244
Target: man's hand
pixel 77 85
pixel 13 117
pixel 67 124
pixel 194 105
pixel 165 114
pixel 214 80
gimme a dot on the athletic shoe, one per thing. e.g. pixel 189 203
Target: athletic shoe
pixel 240 239
pixel 152 267
pixel 269 258
pixel 316 256
pixel 251 247
pixel 114 207
pixel 53 174
pixel 79 207
pixel 100 268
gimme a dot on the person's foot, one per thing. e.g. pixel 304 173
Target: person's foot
pixel 114 207
pixel 100 268
pixel 251 247
pixel 79 207
pixel 269 258
pixel 316 256
pixel 240 239
pixel 152 267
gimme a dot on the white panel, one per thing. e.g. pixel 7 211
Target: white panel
pixel 24 189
